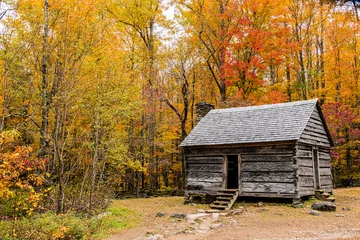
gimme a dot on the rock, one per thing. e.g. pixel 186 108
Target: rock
pixel 192 204
pixel 161 214
pixel 212 211
pixel 201 211
pixel 340 215
pixel 216 225
pixel 315 213
pixel 259 204
pixel 178 215
pixel 155 237
pixel 324 206
pixel 236 212
pixel 346 209
pixel 215 215
pixel 192 217
pixel 297 203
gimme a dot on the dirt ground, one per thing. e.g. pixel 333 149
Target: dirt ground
pixel 248 221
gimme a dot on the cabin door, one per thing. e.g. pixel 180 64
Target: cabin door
pixel 315 154
pixel 232 181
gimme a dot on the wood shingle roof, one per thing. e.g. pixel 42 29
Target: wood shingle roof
pixel 255 124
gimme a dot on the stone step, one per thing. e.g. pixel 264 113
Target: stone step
pixel 330 199
pixel 319 191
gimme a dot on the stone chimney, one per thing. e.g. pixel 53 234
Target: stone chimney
pixel 202 108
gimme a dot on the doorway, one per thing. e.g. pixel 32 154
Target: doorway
pixel 232 172
pixel 315 154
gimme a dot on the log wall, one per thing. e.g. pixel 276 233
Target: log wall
pixel 266 171
pixel 204 175
pixel 314 136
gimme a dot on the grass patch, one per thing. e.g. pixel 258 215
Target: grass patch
pixel 70 225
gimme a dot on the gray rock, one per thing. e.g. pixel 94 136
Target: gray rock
pixel 201 211
pixel 324 206
pixel 215 215
pixel 155 237
pixel 297 203
pixel 161 214
pixel 340 215
pixel 212 211
pixel 346 209
pixel 192 217
pixel 315 213
pixel 178 215
pixel 216 225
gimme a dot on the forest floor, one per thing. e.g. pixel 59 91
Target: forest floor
pixel 249 220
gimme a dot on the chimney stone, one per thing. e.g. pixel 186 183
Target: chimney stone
pixel 202 108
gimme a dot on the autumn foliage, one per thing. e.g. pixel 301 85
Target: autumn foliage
pixel 22 178
pixel 101 93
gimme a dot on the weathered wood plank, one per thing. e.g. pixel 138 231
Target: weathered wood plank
pixel 206 160
pixel 277 149
pixel 267 166
pixel 205 167
pixel 304 147
pixel 308 162
pixel 251 187
pixel 305 171
pixel 312 142
pixel 203 186
pixel 205 192
pixel 207 179
pixel 326 181
pixel 201 175
pixel 315 137
pixel 305 162
pixel 306 181
pixel 265 158
pixel 267 195
pixel 325 163
pixel 316 129
pixel 325 172
pixel 323 155
pixel 304 153
pixel 286 177
pixel 306 191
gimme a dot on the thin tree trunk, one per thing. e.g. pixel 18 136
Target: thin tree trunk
pixel 45 96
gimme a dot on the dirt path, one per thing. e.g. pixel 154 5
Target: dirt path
pixel 269 221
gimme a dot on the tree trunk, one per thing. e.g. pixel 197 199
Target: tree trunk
pixel 45 96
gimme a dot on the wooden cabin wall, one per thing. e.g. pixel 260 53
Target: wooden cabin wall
pixel 204 174
pixel 314 136
pixel 266 171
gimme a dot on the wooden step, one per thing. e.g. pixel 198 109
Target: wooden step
pixel 228 190
pixel 224 198
pixel 224 195
pixel 319 191
pixel 218 206
pixel 221 202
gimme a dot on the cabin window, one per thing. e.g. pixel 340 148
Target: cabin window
pixel 232 172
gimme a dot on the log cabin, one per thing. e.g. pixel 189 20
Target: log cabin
pixel 277 151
